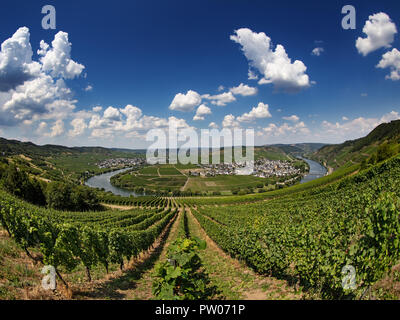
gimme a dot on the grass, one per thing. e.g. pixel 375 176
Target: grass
pixel 223 183
pixel 168 171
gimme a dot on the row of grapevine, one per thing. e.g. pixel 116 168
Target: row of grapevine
pixel 311 235
pixel 66 245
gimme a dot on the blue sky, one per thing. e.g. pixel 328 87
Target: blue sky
pixel 142 54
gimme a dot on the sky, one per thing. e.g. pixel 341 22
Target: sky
pixel 112 71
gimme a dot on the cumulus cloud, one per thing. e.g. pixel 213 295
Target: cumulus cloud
pixel 274 65
pixel 16 65
pixel 357 127
pixel 57 59
pixel 259 112
pixel 317 51
pixel 129 122
pixel 380 31
pixel 273 130
pixel 292 118
pixel 391 60
pixel 32 90
pixel 202 111
pixel 57 129
pixel 185 102
pixel 78 127
pixel 41 97
pixel 213 125
pixel 112 113
pixel 89 88
pixel 230 122
pixel 220 100
pixel 244 90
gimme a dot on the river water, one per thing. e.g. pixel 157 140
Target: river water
pixel 316 171
pixel 103 180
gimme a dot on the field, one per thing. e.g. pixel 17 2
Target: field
pixel 158 177
pixel 223 183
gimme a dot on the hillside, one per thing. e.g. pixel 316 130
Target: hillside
pixel 299 149
pixel 355 151
pixel 55 162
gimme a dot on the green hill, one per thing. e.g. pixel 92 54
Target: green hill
pixel 355 151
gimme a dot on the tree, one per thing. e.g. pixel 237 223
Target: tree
pixel 58 196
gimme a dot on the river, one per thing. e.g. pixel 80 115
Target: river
pixel 316 171
pixel 103 181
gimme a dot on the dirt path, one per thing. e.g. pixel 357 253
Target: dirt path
pixel 185 185
pixel 117 207
pixel 234 279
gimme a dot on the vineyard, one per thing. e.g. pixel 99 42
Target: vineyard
pixel 300 237
pixel 310 236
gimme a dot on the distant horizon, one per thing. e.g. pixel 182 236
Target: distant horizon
pixel 121 148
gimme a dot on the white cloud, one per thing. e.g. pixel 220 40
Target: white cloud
pixel 391 60
pixel 345 118
pixel 78 127
pixel 32 90
pixel 230 122
pixel 57 59
pixel 202 111
pixel 41 128
pixel 274 65
pixel 129 122
pixel 364 94
pixel 292 118
pixel 112 113
pixel 16 65
pixel 177 123
pixel 220 100
pixel 380 31
pixel 185 102
pixel 357 127
pixel 97 108
pixel 213 125
pixel 57 129
pixel 37 98
pixel 259 112
pixel 221 88
pixel 89 88
pixel 244 90
pixel 285 129
pixel 317 51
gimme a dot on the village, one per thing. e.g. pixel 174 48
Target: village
pixel 262 168
pixel 121 162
